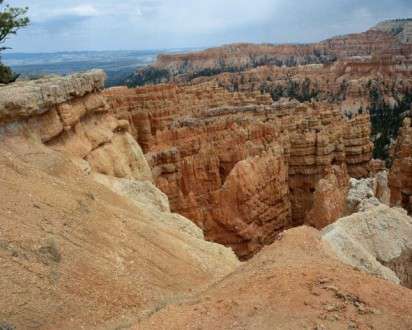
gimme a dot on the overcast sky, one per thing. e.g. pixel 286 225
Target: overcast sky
pixel 59 25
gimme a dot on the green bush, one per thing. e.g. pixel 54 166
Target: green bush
pixel 6 75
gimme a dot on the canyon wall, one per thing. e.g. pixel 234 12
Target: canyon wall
pixel 400 177
pixel 378 85
pixel 357 73
pixel 347 83
pixel 240 166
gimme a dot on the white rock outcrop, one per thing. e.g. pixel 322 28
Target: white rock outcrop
pixel 377 241
pixel 30 98
pixel 366 193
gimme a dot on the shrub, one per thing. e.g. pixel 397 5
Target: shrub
pixel 6 75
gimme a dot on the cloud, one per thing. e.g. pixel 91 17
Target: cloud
pixel 60 24
pixel 140 24
pixel 63 19
pixel 86 10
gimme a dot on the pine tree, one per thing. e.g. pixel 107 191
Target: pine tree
pixel 11 20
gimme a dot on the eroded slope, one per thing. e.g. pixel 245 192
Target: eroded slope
pixel 292 284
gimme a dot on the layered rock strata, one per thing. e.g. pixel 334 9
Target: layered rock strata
pixel 400 177
pixel 378 85
pixel 353 84
pixel 240 166
pixel 70 114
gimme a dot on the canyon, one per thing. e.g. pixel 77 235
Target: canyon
pixel 241 166
pixel 240 193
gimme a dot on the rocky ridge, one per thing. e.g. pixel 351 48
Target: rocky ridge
pixel 400 28
pixel 373 237
pixel 296 283
pixel 386 39
pixel 347 83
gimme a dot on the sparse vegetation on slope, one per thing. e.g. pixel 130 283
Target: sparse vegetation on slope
pixel 386 120
pixel 147 76
pixel 302 91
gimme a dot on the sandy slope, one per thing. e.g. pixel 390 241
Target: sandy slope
pixel 292 284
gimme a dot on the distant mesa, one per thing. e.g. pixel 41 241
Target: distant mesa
pixel 389 37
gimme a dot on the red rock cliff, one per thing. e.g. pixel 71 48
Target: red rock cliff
pixel 240 166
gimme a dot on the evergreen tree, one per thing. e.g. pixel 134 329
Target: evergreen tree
pixel 11 20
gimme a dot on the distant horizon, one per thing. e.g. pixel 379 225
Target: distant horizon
pixel 139 25
pixel 11 52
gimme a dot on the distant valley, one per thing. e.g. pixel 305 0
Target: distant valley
pixel 118 65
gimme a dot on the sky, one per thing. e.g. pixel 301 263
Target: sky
pixel 66 25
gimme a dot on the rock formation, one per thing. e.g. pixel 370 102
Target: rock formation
pixel 391 38
pixel 358 73
pixel 366 192
pixel 348 82
pixel 66 114
pixel 240 166
pixel 400 28
pixel 377 240
pixel 401 171
pixel 374 237
pixel 329 199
